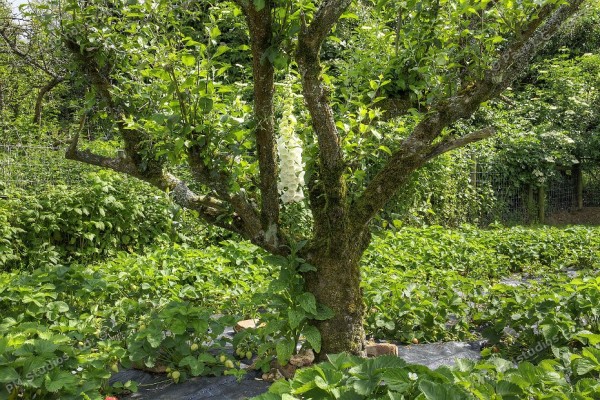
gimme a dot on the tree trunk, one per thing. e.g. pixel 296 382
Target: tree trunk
pixel 542 204
pixel 577 171
pixel 336 284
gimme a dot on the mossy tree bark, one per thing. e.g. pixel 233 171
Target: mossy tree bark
pixel 336 284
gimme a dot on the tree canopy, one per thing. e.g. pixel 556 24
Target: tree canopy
pixel 293 123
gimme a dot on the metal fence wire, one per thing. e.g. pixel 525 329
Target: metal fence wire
pixel 503 199
pixel 30 167
pixel 591 187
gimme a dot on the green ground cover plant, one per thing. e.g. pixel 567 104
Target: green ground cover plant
pixel 66 329
pixel 390 378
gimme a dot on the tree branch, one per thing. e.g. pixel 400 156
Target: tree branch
pixel 326 16
pixel 315 93
pixel 328 195
pixel 448 145
pixel 413 151
pixel 247 215
pixel 12 45
pixel 261 35
pixel 152 171
pixel 209 208
pixel 37 114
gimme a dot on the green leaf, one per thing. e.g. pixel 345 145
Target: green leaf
pixel 206 104
pixel 313 337
pixel 280 387
pixel 188 60
pixel 284 348
pixel 583 366
pixel 295 317
pixel 221 50
pixel 343 360
pixel 308 302
pixel 196 366
pixel 58 380
pixel 8 375
pixel 44 346
pixel 592 338
pixel 397 379
pixel 441 391
pixel 59 306
pixel 154 337
pixel 207 358
pixel 34 363
pixel 549 332
pixel 215 32
pixel 365 387
pixel 388 361
pixel 385 149
pixel 279 261
pixel 304 267
pixel 178 327
pixel 505 388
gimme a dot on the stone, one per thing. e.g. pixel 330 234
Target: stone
pixel 303 359
pixel 246 324
pixel 380 349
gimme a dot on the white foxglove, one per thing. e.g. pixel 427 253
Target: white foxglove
pixel 289 148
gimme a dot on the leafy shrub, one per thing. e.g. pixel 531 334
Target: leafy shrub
pixel 555 313
pixel 105 215
pixel 38 362
pixel 286 313
pixel 158 309
pixel 181 337
pixel 9 239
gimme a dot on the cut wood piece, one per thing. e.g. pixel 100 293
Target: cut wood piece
pixel 246 324
pixel 380 349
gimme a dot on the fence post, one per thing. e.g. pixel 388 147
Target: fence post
pixel 577 171
pixel 541 204
pixel 531 210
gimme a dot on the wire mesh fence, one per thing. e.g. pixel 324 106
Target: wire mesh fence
pixel 31 167
pixel 562 193
pixel 500 197
pixel 591 187
pixel 504 200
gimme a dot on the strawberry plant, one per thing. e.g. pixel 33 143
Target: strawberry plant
pixel 157 310
pixel 388 377
pixel 183 338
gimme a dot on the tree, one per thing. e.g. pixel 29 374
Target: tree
pixel 24 39
pixel 383 83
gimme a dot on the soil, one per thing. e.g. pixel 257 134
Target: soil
pixel 586 216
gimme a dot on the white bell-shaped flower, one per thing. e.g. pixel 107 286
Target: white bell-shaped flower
pixel 289 148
